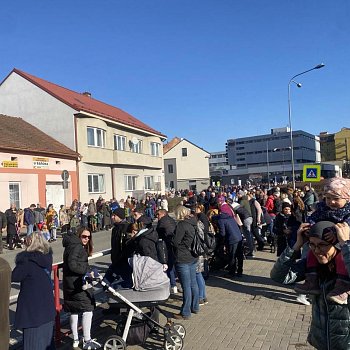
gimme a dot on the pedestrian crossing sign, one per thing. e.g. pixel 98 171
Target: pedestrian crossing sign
pixel 312 173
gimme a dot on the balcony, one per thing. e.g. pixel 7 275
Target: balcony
pixel 137 159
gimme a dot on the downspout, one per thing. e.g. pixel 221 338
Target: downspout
pixel 76 150
pixel 112 176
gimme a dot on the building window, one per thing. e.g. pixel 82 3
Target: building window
pixel 96 137
pixel 184 152
pixel 155 149
pixel 136 147
pixel 170 169
pixel 119 143
pixel 96 183
pixel 171 184
pixel 130 182
pixel 149 183
pixel 14 191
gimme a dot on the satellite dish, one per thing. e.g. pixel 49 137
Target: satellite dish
pixel 134 141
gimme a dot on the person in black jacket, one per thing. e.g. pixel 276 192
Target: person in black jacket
pixel 78 247
pixel 145 240
pixel 11 218
pixel 232 235
pixel 35 311
pixel 185 261
pixel 166 229
pixel 285 228
pixel 3 224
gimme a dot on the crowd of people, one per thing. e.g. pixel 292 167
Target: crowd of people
pixel 216 229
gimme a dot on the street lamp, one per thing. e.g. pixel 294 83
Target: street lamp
pixel 321 65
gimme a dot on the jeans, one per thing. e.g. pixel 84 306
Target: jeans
pixel 30 229
pixel 188 280
pixel 171 268
pixel 201 286
pixel 235 253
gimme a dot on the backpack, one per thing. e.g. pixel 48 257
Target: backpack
pixel 198 246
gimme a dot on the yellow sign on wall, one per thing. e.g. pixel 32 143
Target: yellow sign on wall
pixel 9 164
pixel 312 173
pixel 40 163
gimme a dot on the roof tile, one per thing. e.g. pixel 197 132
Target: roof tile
pixel 18 135
pixel 81 102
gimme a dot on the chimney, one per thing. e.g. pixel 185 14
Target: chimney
pixel 86 93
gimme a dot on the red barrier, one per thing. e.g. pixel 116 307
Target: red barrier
pixel 58 306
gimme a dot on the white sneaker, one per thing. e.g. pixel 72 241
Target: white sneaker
pixel 302 299
pixel 91 345
pixel 76 344
pixel 173 290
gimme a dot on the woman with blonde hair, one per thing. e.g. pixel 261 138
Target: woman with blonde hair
pixel 185 262
pixel 35 312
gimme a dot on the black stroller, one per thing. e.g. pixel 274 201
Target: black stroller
pixel 151 288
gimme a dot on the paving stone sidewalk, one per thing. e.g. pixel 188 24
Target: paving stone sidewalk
pixel 248 313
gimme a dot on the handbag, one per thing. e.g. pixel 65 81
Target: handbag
pixel 198 246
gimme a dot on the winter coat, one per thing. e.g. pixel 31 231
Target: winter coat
pixel 323 212
pixel 3 220
pixel 5 283
pixel 118 240
pixel 39 215
pixel 166 229
pixel 182 241
pixel 270 206
pixel 145 243
pixel 11 218
pixel 29 217
pixel 229 229
pixel 106 215
pixel 75 266
pixel 330 322
pixel 35 304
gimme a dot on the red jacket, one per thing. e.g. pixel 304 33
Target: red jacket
pixel 270 206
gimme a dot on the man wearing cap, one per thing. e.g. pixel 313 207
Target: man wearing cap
pixel 330 323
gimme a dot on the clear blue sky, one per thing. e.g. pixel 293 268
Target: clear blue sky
pixel 205 70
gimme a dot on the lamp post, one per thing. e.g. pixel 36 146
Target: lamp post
pixel 321 65
pixel 267 163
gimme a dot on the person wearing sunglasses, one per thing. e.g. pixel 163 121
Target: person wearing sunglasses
pixel 78 301
pixel 330 322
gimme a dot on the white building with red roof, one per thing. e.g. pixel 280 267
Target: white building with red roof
pixel 120 155
pixel 186 165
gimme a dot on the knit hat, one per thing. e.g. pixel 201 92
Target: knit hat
pixel 286 205
pixel 338 187
pixel 319 229
pixel 120 212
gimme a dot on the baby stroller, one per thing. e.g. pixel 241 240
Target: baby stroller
pixel 151 288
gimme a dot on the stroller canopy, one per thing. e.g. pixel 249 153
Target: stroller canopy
pixel 148 274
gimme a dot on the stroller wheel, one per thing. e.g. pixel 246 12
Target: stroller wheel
pixel 114 342
pixel 180 329
pixel 174 343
